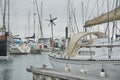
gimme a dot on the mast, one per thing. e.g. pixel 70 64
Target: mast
pixel 82 16
pixel 109 49
pixel 34 14
pixel 4 14
pixel 98 13
pixel 8 15
pixel 39 19
pixel 108 22
pixel 68 17
pixel 29 23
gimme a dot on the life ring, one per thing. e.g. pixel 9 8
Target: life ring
pixel 40 46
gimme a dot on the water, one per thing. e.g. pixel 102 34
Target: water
pixel 14 68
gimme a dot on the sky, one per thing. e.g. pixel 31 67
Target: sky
pixel 20 10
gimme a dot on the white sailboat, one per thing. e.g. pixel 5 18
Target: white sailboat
pixel 18 47
pixel 92 53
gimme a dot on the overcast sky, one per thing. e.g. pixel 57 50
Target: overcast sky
pixel 57 8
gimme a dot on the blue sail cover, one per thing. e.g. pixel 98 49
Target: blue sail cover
pixel 17 40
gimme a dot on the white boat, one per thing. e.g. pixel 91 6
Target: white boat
pixel 18 47
pixel 92 53
pixel 35 47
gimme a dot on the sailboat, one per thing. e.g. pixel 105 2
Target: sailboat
pixel 4 36
pixel 18 46
pixel 92 53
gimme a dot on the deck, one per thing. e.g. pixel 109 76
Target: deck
pixel 38 74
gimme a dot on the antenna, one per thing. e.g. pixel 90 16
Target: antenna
pixel 51 20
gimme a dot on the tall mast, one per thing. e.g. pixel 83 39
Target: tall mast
pixel 34 14
pixel 39 19
pixel 8 15
pixel 69 17
pixel 108 21
pixel 109 49
pixel 4 14
pixel 84 29
pixel 98 13
pixel 29 23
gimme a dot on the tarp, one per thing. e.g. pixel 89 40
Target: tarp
pixel 72 48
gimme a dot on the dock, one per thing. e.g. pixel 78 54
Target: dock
pixel 51 74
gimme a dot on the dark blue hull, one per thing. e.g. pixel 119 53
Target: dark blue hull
pixel 4 46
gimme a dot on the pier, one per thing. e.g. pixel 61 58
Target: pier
pixel 51 74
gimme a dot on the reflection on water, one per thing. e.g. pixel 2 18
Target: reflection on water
pixel 5 69
pixel 14 68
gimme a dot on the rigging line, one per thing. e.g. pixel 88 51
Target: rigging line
pixel 113 4
pixel 87 10
pixel 92 11
pixel 117 27
pixel 112 33
pixel 75 22
pixel 113 22
pixel 98 20
pixel 73 13
pixel 98 9
pixel 1 8
pixel 101 8
pixel 70 18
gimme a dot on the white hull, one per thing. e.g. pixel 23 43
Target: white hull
pixel 20 49
pixel 112 68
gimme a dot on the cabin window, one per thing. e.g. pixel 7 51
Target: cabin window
pixel 86 53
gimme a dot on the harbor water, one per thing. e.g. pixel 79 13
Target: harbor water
pixel 14 67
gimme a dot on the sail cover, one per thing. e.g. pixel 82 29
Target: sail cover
pixel 106 17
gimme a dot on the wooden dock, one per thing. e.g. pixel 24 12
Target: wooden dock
pixel 51 74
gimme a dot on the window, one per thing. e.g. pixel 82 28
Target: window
pixel 86 53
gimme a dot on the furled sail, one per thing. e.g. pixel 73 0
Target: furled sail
pixel 113 15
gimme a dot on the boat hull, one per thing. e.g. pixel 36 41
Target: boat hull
pixel 4 46
pixel 19 49
pixel 111 68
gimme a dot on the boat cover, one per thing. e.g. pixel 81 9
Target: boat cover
pixel 72 48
